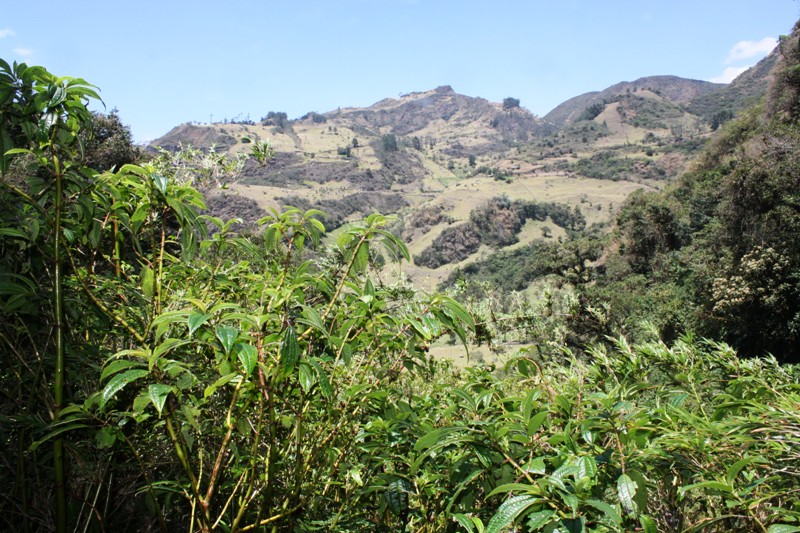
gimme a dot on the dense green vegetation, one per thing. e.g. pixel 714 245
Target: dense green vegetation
pixel 718 252
pixel 164 369
pixel 609 165
pixel 337 210
pixel 495 223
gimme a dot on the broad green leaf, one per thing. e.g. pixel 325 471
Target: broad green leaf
pixel 676 400
pixel 165 346
pixel 344 239
pixel 564 471
pixel 587 434
pixel 457 311
pixel 464 521
pixel 396 496
pixel 290 351
pixel 361 258
pixel 227 336
pixel 540 519
pixel 571 501
pixel 324 381
pixel 248 357
pixel 587 467
pixel 13 232
pixel 311 317
pixel 435 437
pixel 223 306
pixel 185 381
pixel 649 525
pixel 119 365
pixel 158 393
pixel 160 182
pixel 196 320
pixel 62 427
pixel 58 95
pixel 140 404
pixel 6 144
pixel 395 246
pixel 508 487
pixel 466 399
pixel 244 319
pixel 147 281
pixel 608 510
pixel 347 352
pixel 420 327
pixel 641 489
pixel 369 288
pixel 106 437
pixel 305 376
pixel 527 405
pixel 626 490
pixel 783 528
pixel 191 413
pixel 432 325
pixel 211 389
pixel 509 511
pixel 118 382
pixel 573 525
pixel 536 422
pixel 536 466
pixel 733 471
pixel 14 151
pixel 714 485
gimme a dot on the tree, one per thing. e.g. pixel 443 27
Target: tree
pixel 720 117
pixel 108 143
pixel 510 103
pixel 275 118
pixel 389 142
pixel 43 118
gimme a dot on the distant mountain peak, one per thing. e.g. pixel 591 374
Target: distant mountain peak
pixel 411 113
pixel 673 88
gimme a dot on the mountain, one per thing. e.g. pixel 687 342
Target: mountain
pixel 437 158
pixel 672 88
pixel 464 125
pixel 744 91
pixel 442 109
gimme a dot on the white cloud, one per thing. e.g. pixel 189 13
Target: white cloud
pixel 728 75
pixel 748 49
pixel 741 51
pixel 24 53
pixel 6 32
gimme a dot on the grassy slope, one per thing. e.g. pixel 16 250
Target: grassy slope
pixel 536 172
pixel 454 189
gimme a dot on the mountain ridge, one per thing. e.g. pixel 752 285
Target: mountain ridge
pixel 674 88
pixel 433 157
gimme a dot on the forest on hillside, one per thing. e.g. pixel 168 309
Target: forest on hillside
pixel 164 369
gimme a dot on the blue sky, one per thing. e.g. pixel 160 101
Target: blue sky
pixel 168 62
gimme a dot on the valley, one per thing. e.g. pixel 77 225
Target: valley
pixel 439 150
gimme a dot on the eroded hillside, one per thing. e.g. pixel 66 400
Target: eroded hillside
pixel 435 158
